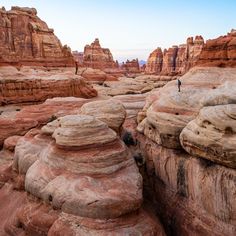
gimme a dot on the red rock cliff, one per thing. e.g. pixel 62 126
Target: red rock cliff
pixel 175 60
pixel 220 51
pixel 97 57
pixel 26 40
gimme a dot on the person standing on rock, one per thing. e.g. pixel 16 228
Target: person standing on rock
pixel 76 67
pixel 179 84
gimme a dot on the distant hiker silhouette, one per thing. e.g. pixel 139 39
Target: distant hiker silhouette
pixel 179 84
pixel 76 67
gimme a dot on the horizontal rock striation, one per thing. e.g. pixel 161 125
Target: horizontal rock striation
pixel 18 121
pixel 111 111
pixel 25 90
pixel 219 52
pixel 208 137
pixel 81 168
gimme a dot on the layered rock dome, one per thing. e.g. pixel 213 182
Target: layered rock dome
pixel 86 172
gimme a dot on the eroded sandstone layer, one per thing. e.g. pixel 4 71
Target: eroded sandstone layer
pixel 168 111
pixel 19 120
pixel 27 89
pixel 26 40
pixel 220 51
pixel 86 176
pixel 187 144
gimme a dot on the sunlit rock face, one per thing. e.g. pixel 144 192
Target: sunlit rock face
pixel 220 51
pixel 74 161
pixel 27 40
pixel 177 59
pixel 154 63
pixel 97 57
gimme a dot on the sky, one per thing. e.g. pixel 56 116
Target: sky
pixel 132 28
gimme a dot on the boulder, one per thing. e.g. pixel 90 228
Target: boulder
pixel 208 137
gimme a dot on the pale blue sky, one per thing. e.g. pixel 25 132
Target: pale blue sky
pixel 133 28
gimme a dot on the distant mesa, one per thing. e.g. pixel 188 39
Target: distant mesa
pixel 26 40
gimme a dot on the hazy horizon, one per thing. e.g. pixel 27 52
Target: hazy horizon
pixel 132 29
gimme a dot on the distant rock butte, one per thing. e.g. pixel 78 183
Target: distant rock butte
pixel 175 60
pixel 26 40
pixel 97 57
pixel 131 66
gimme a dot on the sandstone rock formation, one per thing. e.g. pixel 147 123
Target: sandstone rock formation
pixel 208 137
pixel 20 120
pixel 133 103
pixel 131 66
pixel 168 111
pixel 175 60
pixel 27 40
pixel 78 57
pixel 96 76
pixel 169 60
pixel 190 195
pixel 220 51
pixel 154 63
pixel 97 57
pixel 111 111
pixel 89 178
pixel 138 85
pixel 26 89
pixel 194 190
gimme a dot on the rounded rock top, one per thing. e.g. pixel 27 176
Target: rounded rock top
pixel 81 131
